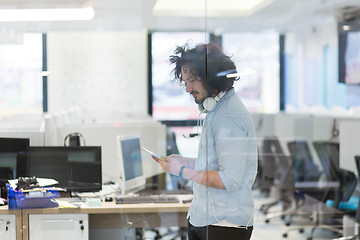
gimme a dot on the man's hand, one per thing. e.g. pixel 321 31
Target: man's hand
pixel 170 164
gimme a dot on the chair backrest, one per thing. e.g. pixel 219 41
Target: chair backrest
pixel 305 168
pixel 269 149
pixel 328 153
pixel 348 182
pixel 276 166
pixel 357 162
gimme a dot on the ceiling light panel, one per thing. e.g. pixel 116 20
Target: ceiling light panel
pixel 211 8
pixel 45 10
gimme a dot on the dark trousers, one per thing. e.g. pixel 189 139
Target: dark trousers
pixel 218 233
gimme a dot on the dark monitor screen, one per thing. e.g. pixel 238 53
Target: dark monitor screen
pixel 77 169
pixel 13 154
pixel 349 52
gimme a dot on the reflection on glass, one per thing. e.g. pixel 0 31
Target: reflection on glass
pixel 256 56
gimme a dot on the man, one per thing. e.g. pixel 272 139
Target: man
pixel 226 166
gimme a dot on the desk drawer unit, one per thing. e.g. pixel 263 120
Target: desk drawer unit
pixel 58 227
pixel 7 227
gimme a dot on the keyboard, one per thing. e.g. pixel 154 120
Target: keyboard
pixel 146 199
pixel 145 192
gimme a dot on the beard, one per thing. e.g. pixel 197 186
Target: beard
pixel 198 99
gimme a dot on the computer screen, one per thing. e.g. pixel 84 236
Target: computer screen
pixel 13 154
pixel 349 51
pixel 129 155
pixel 77 169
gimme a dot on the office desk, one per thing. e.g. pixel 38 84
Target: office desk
pixel 18 219
pixel 111 215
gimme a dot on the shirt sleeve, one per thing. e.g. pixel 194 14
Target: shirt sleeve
pixel 231 141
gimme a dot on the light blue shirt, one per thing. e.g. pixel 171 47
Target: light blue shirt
pixel 227 144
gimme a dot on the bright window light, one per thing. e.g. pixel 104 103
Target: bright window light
pixel 56 14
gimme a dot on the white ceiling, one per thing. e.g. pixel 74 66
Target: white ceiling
pixel 126 15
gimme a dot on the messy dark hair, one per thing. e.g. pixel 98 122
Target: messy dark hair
pixel 206 61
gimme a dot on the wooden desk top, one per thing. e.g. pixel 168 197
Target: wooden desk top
pixel 5 211
pixel 112 207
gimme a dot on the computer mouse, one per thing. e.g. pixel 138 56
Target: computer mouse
pixel 108 199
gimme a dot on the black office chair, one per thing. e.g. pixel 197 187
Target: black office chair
pixel 328 153
pixel 302 169
pixel 305 168
pixel 307 171
pixel 267 163
pixel 277 170
pixel 357 213
pixel 330 220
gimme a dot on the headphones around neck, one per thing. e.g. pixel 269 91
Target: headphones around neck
pixel 209 103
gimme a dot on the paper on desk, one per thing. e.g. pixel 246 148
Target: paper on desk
pixel 42 182
pixel 66 204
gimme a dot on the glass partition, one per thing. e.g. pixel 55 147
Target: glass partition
pixel 200 83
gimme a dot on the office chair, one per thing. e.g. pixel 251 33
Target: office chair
pixel 277 168
pixel 328 153
pixel 304 170
pixel 355 204
pixel 348 182
pixel 267 163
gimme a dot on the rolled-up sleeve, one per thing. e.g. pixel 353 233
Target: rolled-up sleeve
pixel 231 140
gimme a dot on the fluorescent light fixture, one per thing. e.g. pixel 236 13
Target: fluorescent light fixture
pixel 212 8
pixel 44 73
pixel 54 12
pixel 245 72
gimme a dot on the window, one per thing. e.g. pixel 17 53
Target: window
pixel 170 101
pixel 256 56
pixel 20 76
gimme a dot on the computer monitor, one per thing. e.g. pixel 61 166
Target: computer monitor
pixel 77 169
pixel 13 154
pixel 129 155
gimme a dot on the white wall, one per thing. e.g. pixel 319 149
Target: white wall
pixel 104 75
pixel 152 136
pixel 100 72
pixel 349 144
